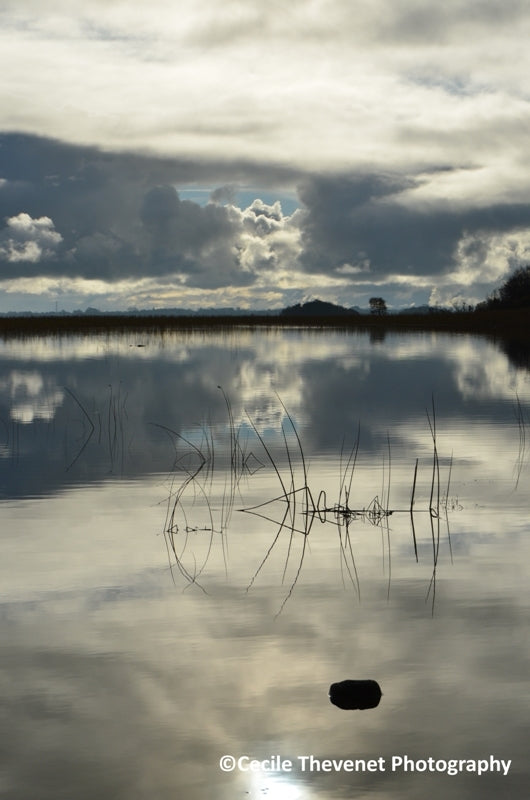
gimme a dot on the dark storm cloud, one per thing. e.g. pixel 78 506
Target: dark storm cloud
pixel 90 197
pixel 183 236
pixel 362 220
pixel 80 212
pixel 117 215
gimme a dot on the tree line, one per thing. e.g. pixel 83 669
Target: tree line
pixel 514 292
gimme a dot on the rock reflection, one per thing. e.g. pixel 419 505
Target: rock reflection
pixel 353 695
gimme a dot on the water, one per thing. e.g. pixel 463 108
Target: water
pixel 183 578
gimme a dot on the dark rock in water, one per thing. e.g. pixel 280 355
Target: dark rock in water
pixel 355 694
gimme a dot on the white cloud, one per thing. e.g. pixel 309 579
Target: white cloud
pixel 483 261
pixel 268 239
pixel 486 256
pixel 321 84
pixel 27 239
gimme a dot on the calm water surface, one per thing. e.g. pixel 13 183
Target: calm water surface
pixel 202 532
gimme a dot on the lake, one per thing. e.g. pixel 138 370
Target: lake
pixel 202 531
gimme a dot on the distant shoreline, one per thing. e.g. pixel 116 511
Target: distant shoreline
pixel 505 324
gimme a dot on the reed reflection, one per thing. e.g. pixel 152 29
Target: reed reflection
pixel 299 504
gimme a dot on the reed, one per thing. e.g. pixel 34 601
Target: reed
pixel 498 325
pixel 111 423
pixel 87 439
pixel 300 504
pixel 521 425
pixel 343 513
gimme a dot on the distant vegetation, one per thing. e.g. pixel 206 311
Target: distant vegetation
pixel 316 308
pixel 504 315
pixel 509 325
pixel 514 293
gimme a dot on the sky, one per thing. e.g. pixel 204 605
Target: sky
pixel 210 153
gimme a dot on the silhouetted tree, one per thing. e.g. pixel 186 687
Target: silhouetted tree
pixel 514 292
pixel 377 305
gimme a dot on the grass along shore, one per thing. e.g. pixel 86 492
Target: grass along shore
pixel 512 324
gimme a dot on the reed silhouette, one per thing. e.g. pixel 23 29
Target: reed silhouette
pixel 297 507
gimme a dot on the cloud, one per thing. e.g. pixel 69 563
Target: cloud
pixel 114 230
pixel 372 227
pixel 319 85
pixel 27 239
pixel 224 194
pixel 119 219
pixel 114 216
pixel 483 259
pixel 216 246
pixel 186 238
